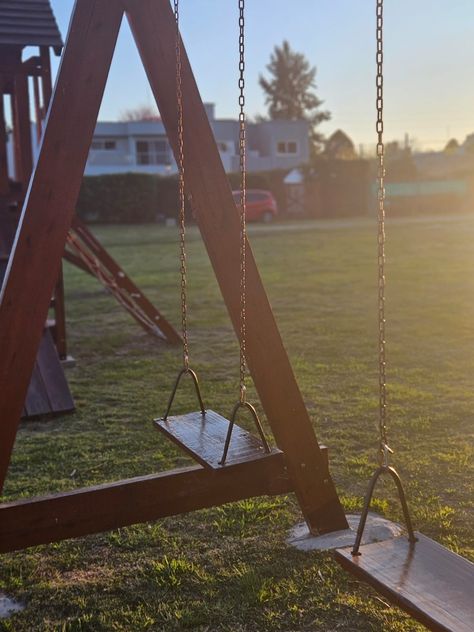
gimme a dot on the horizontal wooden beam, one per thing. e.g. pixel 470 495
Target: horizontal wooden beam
pixel 73 514
pixel 30 67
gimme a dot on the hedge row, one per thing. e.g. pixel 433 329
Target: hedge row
pixel 126 198
pixel 141 198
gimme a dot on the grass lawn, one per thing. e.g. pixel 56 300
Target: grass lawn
pixel 229 568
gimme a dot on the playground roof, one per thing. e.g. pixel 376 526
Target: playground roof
pixel 29 23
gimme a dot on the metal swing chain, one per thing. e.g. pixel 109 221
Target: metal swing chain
pixel 181 174
pixel 384 449
pixel 243 228
pixel 242 403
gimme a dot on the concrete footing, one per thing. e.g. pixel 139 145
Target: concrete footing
pixel 69 362
pixel 377 529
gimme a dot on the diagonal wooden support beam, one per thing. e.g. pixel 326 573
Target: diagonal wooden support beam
pixel 49 205
pixel 123 288
pixel 153 25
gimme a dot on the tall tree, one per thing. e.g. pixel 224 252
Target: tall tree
pixel 452 146
pixel 290 90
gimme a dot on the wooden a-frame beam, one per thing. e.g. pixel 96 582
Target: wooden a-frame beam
pixel 48 212
pixel 208 189
pixel 50 203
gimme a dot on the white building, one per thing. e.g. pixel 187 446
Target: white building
pixel 142 146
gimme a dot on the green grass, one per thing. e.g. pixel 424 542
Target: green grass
pixel 228 568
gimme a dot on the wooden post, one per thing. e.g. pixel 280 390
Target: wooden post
pixel 22 129
pixel 60 338
pixel 38 109
pixel 42 101
pixel 46 81
pixel 152 23
pixel 4 182
pixel 49 206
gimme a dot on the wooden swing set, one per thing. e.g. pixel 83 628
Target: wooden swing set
pixel 32 26
pixel 232 464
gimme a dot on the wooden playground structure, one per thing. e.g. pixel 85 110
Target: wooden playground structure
pixel 46 219
pixel 34 25
pixel 48 391
pixel 231 464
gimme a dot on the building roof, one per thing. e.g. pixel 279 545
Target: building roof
pixel 129 128
pixel 29 23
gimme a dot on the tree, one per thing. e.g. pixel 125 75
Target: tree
pixel 141 113
pixel 451 146
pixel 290 90
pixel 340 146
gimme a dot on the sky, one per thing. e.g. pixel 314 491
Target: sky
pixel 428 59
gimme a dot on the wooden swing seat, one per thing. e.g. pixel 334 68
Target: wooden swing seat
pixel 431 583
pixel 203 436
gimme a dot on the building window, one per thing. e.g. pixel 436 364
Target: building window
pixel 287 147
pixel 153 152
pixel 101 145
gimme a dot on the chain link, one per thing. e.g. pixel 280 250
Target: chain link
pixel 243 228
pixel 384 448
pixel 181 174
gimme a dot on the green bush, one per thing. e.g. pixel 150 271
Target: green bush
pixel 136 198
pixel 127 198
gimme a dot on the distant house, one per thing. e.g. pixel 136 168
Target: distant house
pixel 455 160
pixel 142 146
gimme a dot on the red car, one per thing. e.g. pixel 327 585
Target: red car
pixel 260 205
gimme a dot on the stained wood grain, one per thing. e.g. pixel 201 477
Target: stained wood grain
pixel 203 438
pixel 105 507
pixel 4 182
pixel 23 152
pixel 431 583
pixel 52 374
pixel 46 83
pixel 37 402
pixel 8 224
pixel 60 335
pixel 48 392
